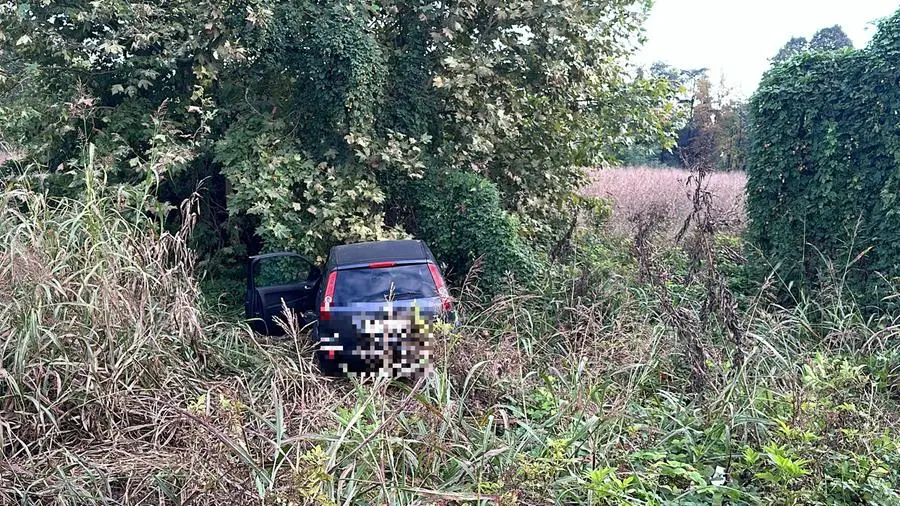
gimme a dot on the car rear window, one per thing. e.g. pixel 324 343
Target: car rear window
pixel 375 285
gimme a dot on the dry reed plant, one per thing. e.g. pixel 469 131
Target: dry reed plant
pixel 635 190
pixel 112 385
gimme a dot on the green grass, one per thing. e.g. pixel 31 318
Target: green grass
pixel 122 383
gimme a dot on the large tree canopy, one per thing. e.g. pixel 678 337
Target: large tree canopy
pixel 830 39
pixel 793 47
pixel 312 122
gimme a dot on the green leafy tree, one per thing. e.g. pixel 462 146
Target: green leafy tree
pixel 682 91
pixel 793 47
pixel 714 131
pixel 697 145
pixel 830 39
pixel 309 123
pixel 734 134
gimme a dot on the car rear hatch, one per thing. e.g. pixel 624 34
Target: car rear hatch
pixel 375 315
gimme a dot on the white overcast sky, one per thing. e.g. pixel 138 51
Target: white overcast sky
pixel 737 37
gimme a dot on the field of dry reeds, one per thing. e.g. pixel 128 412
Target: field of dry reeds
pixel 666 194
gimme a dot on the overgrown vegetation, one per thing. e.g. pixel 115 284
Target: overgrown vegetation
pixel 310 123
pixel 118 385
pixel 159 143
pixel 823 178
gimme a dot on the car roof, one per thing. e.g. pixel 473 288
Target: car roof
pixel 379 251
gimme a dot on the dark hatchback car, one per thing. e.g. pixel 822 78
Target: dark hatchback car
pixel 368 295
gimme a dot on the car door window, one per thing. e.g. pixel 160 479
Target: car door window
pixel 276 281
pixel 280 271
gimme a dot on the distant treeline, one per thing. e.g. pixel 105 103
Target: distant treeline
pixel 713 125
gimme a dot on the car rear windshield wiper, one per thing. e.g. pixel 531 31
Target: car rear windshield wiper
pixel 405 295
pixel 397 296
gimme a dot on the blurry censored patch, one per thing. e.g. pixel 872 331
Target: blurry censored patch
pixel 391 343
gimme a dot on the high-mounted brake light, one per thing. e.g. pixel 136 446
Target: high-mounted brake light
pixel 325 310
pixel 381 265
pixel 446 300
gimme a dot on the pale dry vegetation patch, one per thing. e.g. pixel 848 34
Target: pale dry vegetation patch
pixel 665 193
pixel 113 383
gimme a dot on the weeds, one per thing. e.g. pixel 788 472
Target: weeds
pixel 118 385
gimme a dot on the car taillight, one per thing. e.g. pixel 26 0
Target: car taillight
pixel 381 265
pixel 446 300
pixel 325 310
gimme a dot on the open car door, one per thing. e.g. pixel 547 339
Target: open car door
pixel 275 280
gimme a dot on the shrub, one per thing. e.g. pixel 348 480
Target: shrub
pixel 461 218
pixel 824 174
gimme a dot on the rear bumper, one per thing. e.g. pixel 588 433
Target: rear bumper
pixel 405 357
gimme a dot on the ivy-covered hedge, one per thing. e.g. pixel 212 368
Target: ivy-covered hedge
pixel 824 172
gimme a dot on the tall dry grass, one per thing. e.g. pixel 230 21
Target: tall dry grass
pixel 115 385
pixel 665 193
